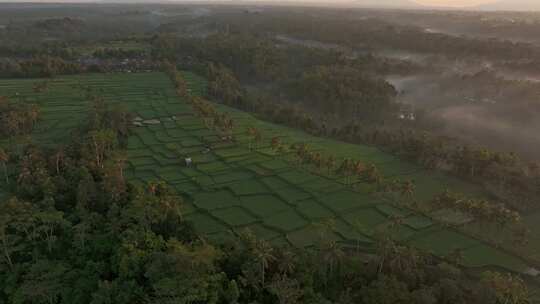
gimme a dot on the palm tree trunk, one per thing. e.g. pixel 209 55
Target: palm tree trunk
pixel 263 274
pixel 122 173
pixel 49 239
pixel 180 214
pixel 381 264
pixel 331 267
pixel 58 165
pixel 83 240
pixel 97 152
pixel 5 172
pixel 6 254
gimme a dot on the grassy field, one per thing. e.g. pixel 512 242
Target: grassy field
pixel 231 187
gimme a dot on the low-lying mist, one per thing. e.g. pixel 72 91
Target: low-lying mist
pixel 486 108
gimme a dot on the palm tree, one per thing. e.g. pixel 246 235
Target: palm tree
pixel 258 138
pixel 286 262
pixel 373 175
pixel 59 158
pixel 359 227
pixel 404 259
pixel 12 123
pixel 456 256
pixel 385 246
pixel 81 232
pixel 332 255
pixel 395 221
pixel 342 168
pixel 102 141
pixel 302 152
pixel 287 290
pixel 120 160
pixel 521 236
pixel 351 167
pixel 251 131
pixel 509 289
pixel 359 168
pixel 325 228
pixel 407 189
pixel 4 158
pixel 264 254
pixel 276 143
pixel 345 169
pixel 4 242
pixel 330 164
pixel 29 117
pixel 152 188
pixel 282 149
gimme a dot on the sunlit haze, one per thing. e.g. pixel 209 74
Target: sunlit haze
pixel 454 3
pixel 505 5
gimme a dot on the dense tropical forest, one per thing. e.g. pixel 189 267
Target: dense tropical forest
pixel 231 154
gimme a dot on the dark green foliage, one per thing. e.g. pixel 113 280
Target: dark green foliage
pixel 77 232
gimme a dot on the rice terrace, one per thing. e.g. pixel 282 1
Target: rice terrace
pixel 246 182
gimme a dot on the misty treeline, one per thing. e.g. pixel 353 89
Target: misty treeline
pixel 15 50
pixel 506 25
pixel 36 67
pixel 75 231
pixel 371 33
pixel 488 212
pixel 490 107
pixel 499 113
pixel 338 86
pixel 335 96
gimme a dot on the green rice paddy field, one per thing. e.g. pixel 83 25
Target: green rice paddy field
pixel 231 187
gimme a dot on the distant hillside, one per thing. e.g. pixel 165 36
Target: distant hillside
pixel 389 3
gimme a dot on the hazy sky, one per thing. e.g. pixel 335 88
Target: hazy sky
pixel 519 5
pixel 454 2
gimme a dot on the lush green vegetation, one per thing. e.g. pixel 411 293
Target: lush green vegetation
pixel 134 243
pixel 324 93
pixel 280 169
pixel 250 182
